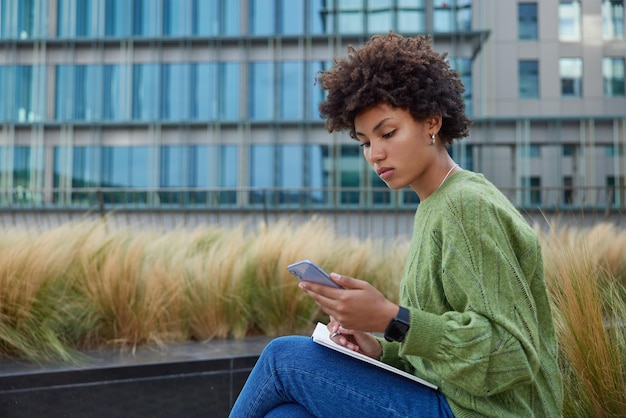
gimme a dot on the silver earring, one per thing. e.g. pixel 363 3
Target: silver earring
pixel 432 139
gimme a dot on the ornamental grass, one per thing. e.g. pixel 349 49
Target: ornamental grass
pixel 82 286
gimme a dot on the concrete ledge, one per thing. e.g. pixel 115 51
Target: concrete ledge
pixel 183 380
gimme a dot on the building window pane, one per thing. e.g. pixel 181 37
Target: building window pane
pixel 262 178
pixel 125 168
pixel 204 91
pixel 527 21
pixel 316 94
pixel 411 21
pixel 229 91
pixel 262 17
pixel 317 16
pixel 175 93
pixel 351 167
pixel 350 19
pixel 613 19
pixel 464 67
pixel 443 16
pixel 117 15
pixel 570 16
pixel 464 15
pixel 145 91
pixel 528 79
pixel 292 90
pixel 74 18
pixel 291 17
pixel 177 17
pixel 532 190
pixel 613 76
pixel 261 101
pixel 571 71
pixel 379 17
pixel 29 93
pixel 145 18
pixel 111 95
pixel 205 17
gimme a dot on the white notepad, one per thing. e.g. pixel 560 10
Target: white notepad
pixel 322 336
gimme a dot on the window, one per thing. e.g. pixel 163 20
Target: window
pixel 570 17
pixel 74 21
pixel 531 190
pixel 464 67
pixel 612 19
pixel 292 90
pixel 568 190
pixel 292 17
pixel 229 91
pixel 351 167
pixel 350 16
pixel 213 17
pixel 571 71
pixel 124 168
pixel 528 71
pixel 117 15
pixel 145 18
pixel 613 76
pixel 379 16
pixel 78 92
pixel 567 150
pixel 261 93
pixel 146 91
pixel 527 28
pixel 262 17
pixel 411 16
pixel 175 92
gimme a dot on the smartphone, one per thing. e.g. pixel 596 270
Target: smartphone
pixel 308 271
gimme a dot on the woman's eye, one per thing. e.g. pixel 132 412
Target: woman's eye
pixel 365 145
pixel 388 134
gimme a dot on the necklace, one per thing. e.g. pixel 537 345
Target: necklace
pixel 447 174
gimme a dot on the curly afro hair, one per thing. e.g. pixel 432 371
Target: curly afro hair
pixel 405 73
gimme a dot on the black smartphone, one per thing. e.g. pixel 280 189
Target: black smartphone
pixel 308 271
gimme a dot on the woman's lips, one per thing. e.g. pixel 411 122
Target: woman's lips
pixel 385 172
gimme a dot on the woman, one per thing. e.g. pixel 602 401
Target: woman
pixel 474 316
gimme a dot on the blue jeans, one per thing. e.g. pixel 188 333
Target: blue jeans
pixel 296 377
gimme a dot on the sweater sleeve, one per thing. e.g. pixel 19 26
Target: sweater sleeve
pixel 476 325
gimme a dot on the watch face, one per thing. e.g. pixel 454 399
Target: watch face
pixel 396 331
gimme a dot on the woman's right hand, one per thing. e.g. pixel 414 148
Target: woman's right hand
pixel 362 342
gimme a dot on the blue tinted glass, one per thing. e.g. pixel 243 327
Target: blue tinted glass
pixel 229 166
pixel 204 91
pixel 87 97
pixel 145 91
pixel 25 19
pixel 198 165
pixel 351 164
pixel 613 76
pixel 5 100
pixel 21 167
pixel 83 18
pixel 117 18
pixel 229 19
pixel 64 85
pixel 29 93
pixel 86 166
pixel 411 21
pixel 261 104
pixel 179 17
pixel 262 163
pixel 206 17
pixel 262 17
pixel 175 98
pixel 291 166
pixel 527 20
pixel 144 18
pixel 125 166
pixel 292 90
pixel 379 17
pixel 229 91
pixel 528 79
pixel 317 16
pixel 174 160
pixel 291 17
pixel 350 16
pixel 316 94
pixel 111 94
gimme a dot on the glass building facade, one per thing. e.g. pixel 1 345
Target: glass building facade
pixel 213 103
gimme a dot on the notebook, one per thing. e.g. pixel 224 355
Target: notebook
pixel 322 336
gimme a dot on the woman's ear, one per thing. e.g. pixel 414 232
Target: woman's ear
pixel 433 123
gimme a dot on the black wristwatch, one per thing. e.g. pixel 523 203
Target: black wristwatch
pixel 398 327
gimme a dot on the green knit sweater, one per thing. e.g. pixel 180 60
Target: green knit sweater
pixel 481 324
